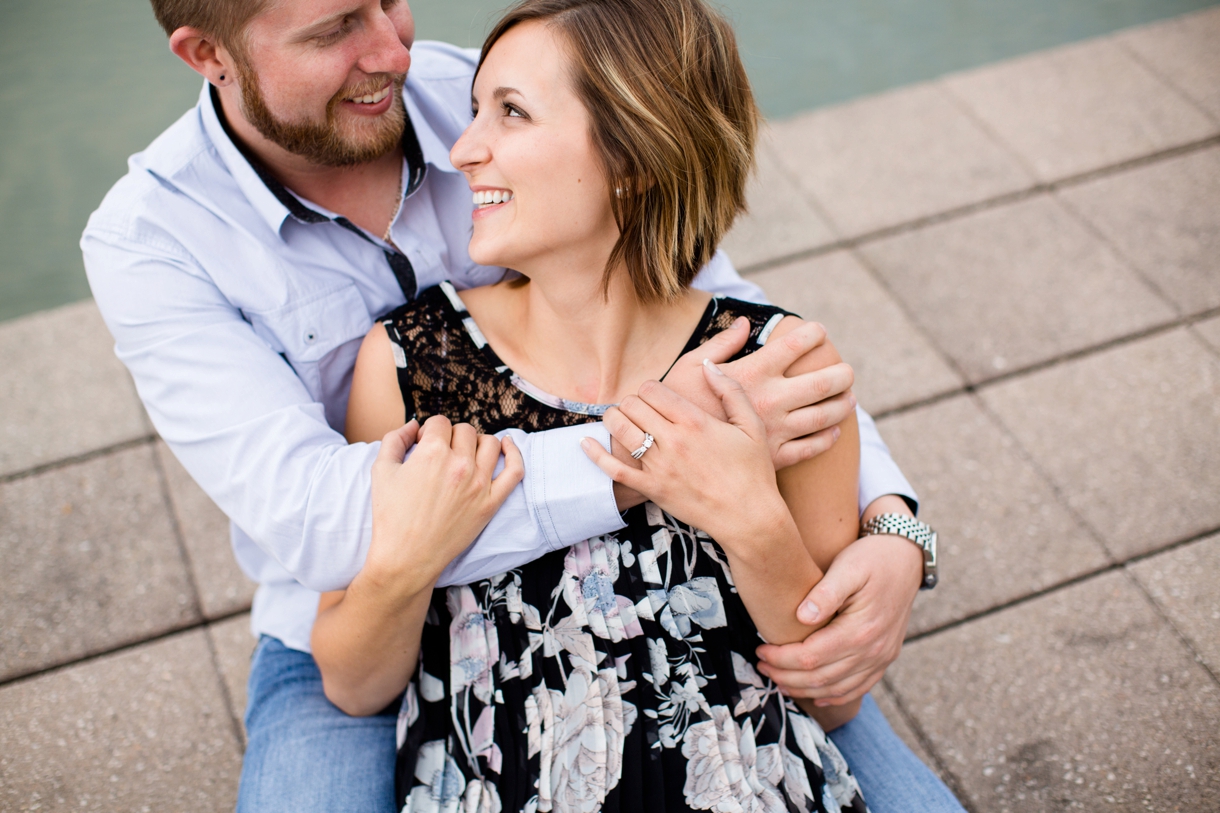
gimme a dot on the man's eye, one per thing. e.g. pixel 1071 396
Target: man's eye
pixel 335 33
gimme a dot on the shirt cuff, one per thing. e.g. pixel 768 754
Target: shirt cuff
pixel 571 497
pixel 879 474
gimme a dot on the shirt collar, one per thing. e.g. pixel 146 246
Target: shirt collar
pixel 271 198
pixel 434 150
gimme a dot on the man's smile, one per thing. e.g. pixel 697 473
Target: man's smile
pixel 372 98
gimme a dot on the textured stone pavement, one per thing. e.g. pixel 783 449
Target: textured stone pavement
pixel 1023 264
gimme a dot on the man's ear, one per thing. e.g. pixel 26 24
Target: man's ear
pixel 204 55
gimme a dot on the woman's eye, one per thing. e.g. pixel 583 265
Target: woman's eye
pixel 513 111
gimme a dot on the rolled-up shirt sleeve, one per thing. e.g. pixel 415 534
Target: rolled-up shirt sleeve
pixel 571 499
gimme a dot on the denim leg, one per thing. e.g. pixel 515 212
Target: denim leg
pixel 304 755
pixel 891 776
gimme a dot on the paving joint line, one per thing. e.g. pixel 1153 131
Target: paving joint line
pixel 1124 43
pixel 956 213
pixel 1066 583
pixel 203 624
pixel 188 563
pixel 1050 363
pixel 1160 611
pixel 85 457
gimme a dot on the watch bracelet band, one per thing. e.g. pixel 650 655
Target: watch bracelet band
pixel 918 532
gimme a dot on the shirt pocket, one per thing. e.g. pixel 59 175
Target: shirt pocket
pixel 307 331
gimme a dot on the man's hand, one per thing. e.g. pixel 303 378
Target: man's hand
pixel 871 586
pixel 800 412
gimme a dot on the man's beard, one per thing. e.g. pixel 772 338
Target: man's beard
pixel 326 143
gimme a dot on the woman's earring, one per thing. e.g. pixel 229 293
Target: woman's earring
pixel 222 77
pixel 618 193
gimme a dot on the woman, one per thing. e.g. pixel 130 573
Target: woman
pixel 608 155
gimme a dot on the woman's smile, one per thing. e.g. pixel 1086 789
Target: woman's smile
pixel 487 199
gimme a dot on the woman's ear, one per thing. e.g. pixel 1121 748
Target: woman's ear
pixel 204 55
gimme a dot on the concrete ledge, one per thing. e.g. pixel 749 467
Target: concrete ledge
pixel 93 561
pixel 145 729
pixel 62 391
pixel 1084 699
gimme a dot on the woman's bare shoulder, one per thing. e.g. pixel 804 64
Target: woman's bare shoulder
pixel 375 406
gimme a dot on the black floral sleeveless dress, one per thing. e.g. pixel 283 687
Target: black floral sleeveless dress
pixel 616 675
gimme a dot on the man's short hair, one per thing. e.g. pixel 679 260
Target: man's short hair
pixel 225 20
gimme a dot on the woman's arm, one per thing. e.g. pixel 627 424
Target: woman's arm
pixel 719 477
pixel 822 495
pixel 822 492
pixel 426 510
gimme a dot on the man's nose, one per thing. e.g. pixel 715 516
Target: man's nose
pixel 386 53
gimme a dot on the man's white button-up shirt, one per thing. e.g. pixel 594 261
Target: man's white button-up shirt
pixel 239 309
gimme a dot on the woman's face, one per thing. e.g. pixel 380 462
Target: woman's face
pixel 530 145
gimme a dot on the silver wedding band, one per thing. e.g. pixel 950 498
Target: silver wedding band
pixel 645 446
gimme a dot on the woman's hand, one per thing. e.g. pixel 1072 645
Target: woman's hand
pixel 718 476
pixel 700 468
pixel 426 510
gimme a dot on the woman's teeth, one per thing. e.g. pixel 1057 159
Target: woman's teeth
pixel 372 98
pixel 492 197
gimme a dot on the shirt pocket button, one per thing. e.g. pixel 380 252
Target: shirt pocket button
pixel 311 336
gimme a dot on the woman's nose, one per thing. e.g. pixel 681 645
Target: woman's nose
pixel 471 149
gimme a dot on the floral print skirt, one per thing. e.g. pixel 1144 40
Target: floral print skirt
pixel 616 675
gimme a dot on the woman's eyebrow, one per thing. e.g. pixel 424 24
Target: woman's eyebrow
pixel 501 92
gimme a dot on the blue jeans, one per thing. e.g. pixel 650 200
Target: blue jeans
pixel 304 755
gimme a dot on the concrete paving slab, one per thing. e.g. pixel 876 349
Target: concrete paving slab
pixel 1186 52
pixel 1080 700
pixel 1183 582
pixel 1081 107
pixel 143 730
pixel 1002 531
pixel 895 157
pixel 223 588
pixel 1209 330
pixel 234 644
pixel 780 222
pixel 894 363
pixel 62 391
pixel 889 707
pixel 1012 286
pixel 1130 436
pixel 92 562
pixel 1163 218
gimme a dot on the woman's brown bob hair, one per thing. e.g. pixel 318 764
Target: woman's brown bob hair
pixel 673 118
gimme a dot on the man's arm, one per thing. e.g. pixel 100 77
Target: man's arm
pixel 246 428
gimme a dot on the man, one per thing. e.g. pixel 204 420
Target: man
pixel 238 265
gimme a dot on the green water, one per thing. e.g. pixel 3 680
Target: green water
pixel 85 83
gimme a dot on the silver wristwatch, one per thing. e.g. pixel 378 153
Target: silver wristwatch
pixel 918 532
